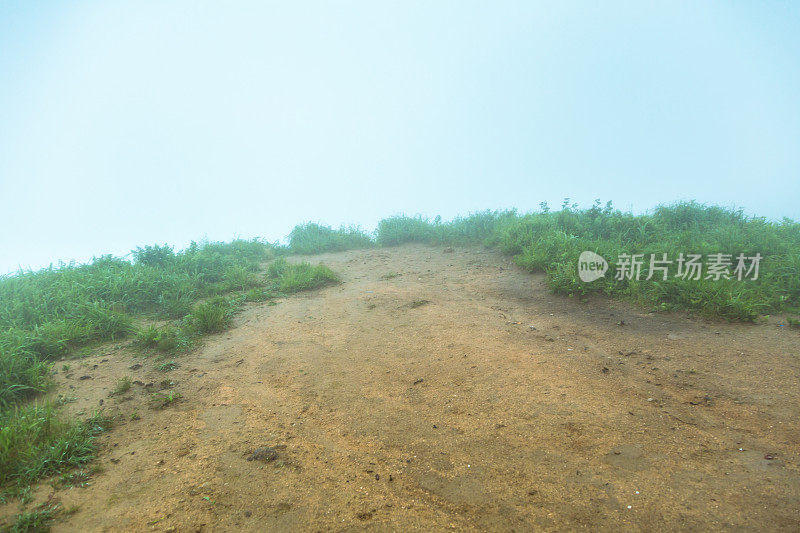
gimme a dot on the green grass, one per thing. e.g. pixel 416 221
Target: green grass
pixel 122 386
pixel 166 338
pixel 311 238
pixel 162 400
pixel 56 312
pixel 47 314
pixel 289 278
pixel 551 241
pixel 64 310
pixel 478 228
pixel 35 441
pixel 212 316
pixel 167 366
pixel 36 521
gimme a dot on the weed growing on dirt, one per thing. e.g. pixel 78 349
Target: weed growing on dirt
pixel 71 510
pixel 36 521
pixel 258 295
pixel 122 386
pixel 288 278
pixel 478 228
pixel 167 338
pixel 79 478
pixel 162 400
pixel 36 442
pixel 167 367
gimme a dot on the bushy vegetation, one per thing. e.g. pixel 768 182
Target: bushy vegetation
pixel 311 238
pixel 551 242
pixel 214 315
pixel 49 314
pixel 46 314
pixel 180 296
pixel 166 338
pixel 478 228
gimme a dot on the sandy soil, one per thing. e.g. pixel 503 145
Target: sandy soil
pixel 447 389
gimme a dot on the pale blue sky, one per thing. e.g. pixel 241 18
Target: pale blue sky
pixel 128 123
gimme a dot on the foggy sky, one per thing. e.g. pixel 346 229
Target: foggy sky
pixel 124 124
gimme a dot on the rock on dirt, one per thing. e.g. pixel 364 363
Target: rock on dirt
pixel 265 454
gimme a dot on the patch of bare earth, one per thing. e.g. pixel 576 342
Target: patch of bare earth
pixel 439 389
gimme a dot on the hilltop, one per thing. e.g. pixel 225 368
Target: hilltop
pixel 413 379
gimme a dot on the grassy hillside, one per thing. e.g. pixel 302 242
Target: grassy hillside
pixel 165 300
pixel 551 242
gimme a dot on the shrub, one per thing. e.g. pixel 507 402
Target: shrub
pixel 155 256
pixel 305 277
pixel 22 375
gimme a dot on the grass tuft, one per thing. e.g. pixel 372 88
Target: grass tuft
pixel 162 400
pixel 289 278
pixel 213 316
pixel 36 521
pixel 122 386
pixel 36 442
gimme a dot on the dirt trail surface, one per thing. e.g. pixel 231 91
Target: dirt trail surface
pixel 437 389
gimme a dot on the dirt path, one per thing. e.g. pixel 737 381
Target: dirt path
pixel 435 390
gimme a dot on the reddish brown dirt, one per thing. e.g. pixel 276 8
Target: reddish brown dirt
pixel 435 390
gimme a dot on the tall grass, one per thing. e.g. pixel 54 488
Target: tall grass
pixel 311 238
pixel 478 228
pixel 35 441
pixel 47 314
pixel 551 241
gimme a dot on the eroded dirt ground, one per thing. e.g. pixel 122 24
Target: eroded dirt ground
pixel 447 389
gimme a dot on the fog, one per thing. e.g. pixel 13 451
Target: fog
pixel 129 124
